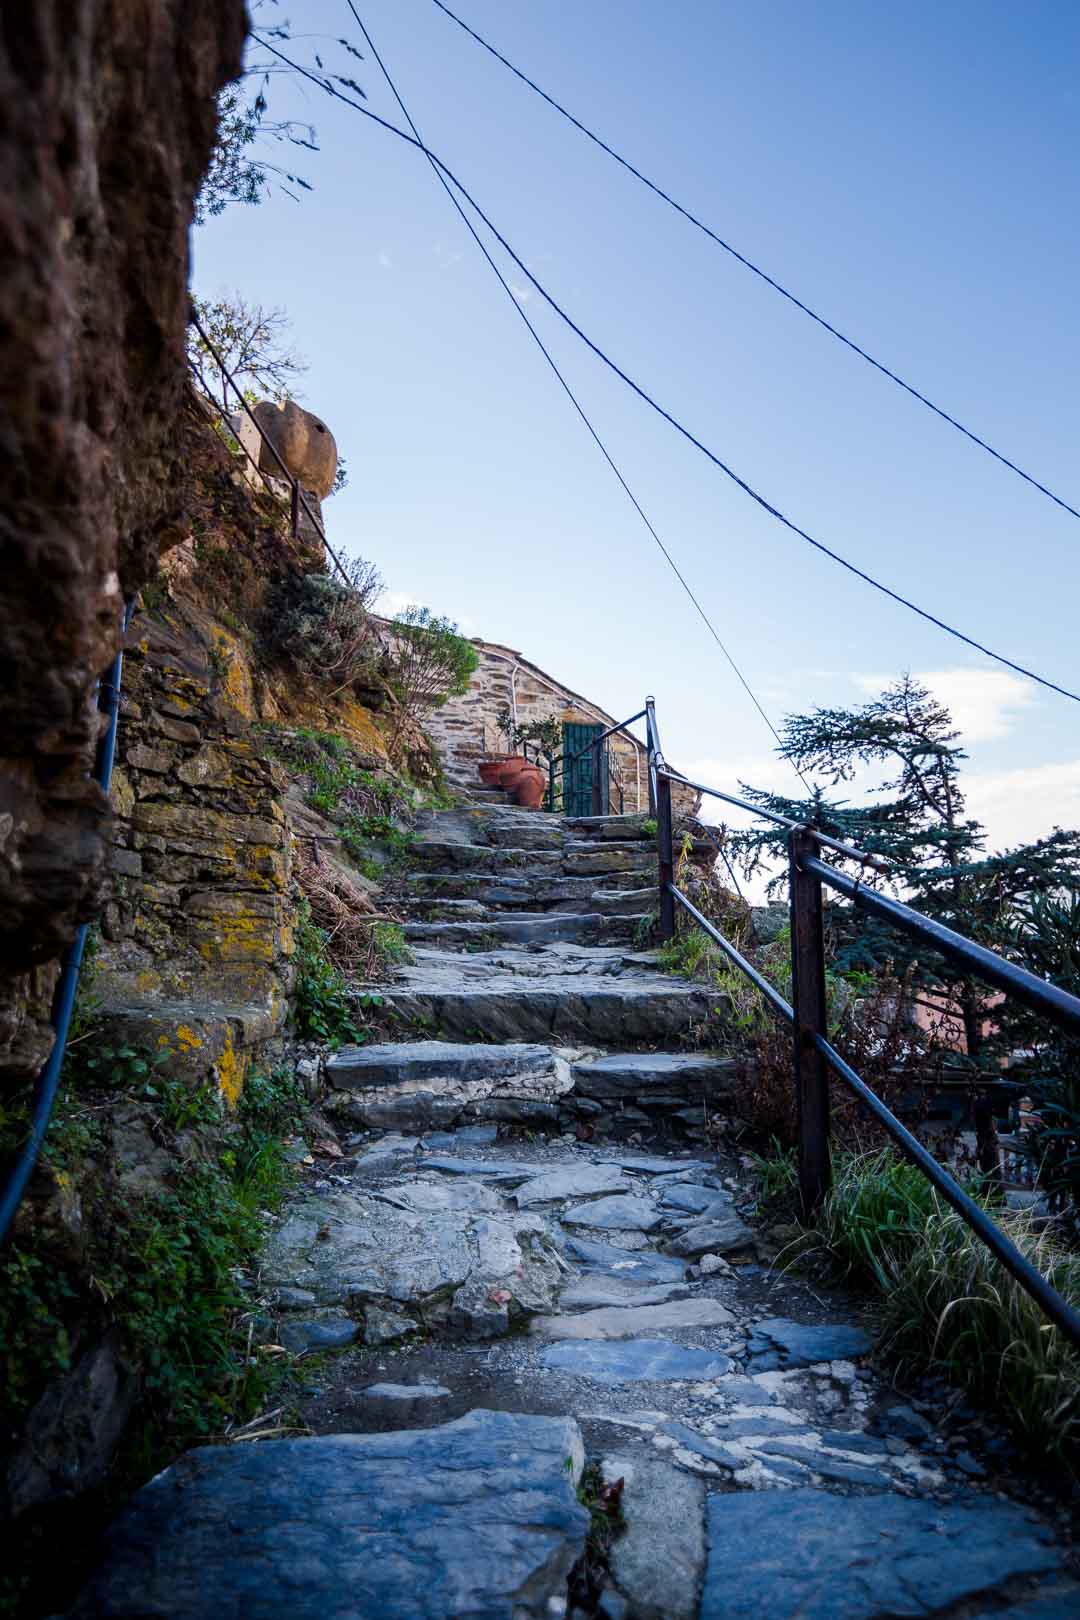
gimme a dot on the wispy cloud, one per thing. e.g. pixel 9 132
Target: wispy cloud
pixel 522 294
pixel 385 260
pixel 984 703
pixel 1021 805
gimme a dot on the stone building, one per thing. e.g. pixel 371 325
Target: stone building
pixel 467 729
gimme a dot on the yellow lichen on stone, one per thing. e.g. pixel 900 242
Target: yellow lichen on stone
pixel 122 793
pixel 239 687
pixel 186 1038
pixel 231 1068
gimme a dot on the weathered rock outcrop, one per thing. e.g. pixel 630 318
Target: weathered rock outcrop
pixel 107 118
pixel 302 440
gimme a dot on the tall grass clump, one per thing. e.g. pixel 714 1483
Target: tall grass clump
pixel 949 1306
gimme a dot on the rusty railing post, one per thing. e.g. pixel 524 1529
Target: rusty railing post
pixel 811 1020
pixel 665 853
pixel 294 508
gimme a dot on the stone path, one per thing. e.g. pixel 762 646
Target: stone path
pixel 477 1315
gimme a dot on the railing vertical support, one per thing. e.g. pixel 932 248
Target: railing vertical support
pixel 665 855
pixel 551 786
pixel 294 508
pixel 596 802
pixel 811 1020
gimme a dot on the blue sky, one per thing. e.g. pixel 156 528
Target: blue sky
pixel 910 171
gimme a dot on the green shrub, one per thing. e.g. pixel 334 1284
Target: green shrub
pixel 430 660
pixel 948 1306
pixel 325 625
pixel 322 1007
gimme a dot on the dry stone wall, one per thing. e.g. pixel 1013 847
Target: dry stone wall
pixel 198 931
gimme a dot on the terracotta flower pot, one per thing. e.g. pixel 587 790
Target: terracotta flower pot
pixel 529 787
pixel 491 768
pixel 511 766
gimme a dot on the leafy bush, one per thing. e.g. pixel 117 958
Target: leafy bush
pixel 322 1007
pixel 429 662
pixel 326 627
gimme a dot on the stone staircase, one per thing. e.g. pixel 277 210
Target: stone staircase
pixel 524 926
pixel 501 1307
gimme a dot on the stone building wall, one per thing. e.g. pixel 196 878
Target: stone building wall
pixel 466 729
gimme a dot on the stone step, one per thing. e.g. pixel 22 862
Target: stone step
pixel 607 903
pixel 537 891
pixel 588 928
pixel 619 828
pixel 575 859
pixel 565 995
pixel 425 1085
pixel 477 1517
pixel 644 1078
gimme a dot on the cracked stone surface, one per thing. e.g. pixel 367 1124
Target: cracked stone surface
pixel 477 1517
pixel 861 1558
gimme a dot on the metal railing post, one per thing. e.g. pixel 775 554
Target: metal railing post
pixel 665 856
pixel 551 786
pixel 595 799
pixel 811 1021
pixel 294 509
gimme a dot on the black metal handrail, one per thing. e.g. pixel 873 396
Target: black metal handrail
pixel 63 1005
pixel 814 1055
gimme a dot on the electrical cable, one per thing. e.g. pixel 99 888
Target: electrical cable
pixel 763 275
pixel 741 483
pixel 569 392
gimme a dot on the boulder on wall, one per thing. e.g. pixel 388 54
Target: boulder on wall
pixel 110 110
pixel 304 443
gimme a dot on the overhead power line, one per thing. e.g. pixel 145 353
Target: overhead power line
pixel 756 269
pixel 643 394
pixel 538 340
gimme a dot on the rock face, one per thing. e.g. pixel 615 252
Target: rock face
pixel 476 1518
pixel 304 443
pixel 107 129
pixel 447 1258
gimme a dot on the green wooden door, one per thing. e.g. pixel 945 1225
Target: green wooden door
pixel 577 773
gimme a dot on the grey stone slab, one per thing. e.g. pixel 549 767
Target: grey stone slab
pixel 625 1263
pixel 477 1135
pixel 441 1195
pixel 711 1237
pixel 824 1557
pixel 572 1181
pixel 354 1068
pixel 491 1169
pixel 630 1321
pixel 834 1468
pixel 637 1073
pixel 332 1333
pixel 592 1293
pixel 695 1200
pixel 622 1213
pixel 631 1361
pixel 655 1164
pixel 475 1518
pixel 702 1445
pixel 659 1560
pixel 351 1250
pixel 758 1428
pixel 404 1394
pixel 777 1342
pixel 854 1440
